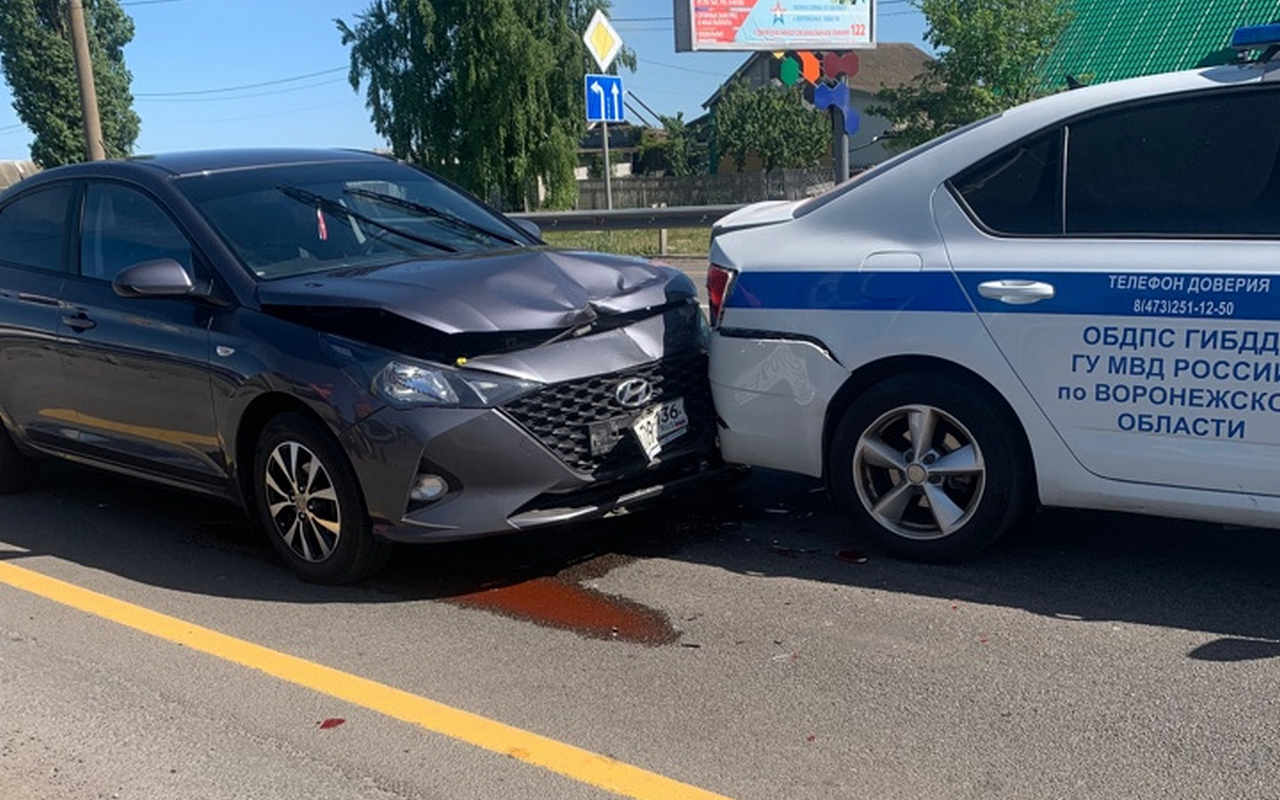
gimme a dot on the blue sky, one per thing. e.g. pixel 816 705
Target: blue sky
pixel 194 45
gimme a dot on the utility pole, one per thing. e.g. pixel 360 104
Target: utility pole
pixel 88 95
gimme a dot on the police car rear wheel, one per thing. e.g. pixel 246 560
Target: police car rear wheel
pixel 930 465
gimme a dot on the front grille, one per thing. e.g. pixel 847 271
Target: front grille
pixel 559 415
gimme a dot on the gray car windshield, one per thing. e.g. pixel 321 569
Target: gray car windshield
pixel 293 220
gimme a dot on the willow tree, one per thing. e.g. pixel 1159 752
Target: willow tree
pixel 487 92
pixel 35 52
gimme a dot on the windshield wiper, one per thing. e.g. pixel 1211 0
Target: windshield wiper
pixel 339 210
pixel 434 213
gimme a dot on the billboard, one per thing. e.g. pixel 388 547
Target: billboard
pixel 774 25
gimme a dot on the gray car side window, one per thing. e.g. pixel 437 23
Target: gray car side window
pixel 33 229
pixel 122 227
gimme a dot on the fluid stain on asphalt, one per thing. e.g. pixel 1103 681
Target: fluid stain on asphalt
pixel 557 603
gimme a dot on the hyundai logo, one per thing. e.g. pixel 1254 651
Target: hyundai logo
pixel 633 392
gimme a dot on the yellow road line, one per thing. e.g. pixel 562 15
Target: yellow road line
pixel 565 759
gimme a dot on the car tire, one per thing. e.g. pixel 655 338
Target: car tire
pixel 309 502
pixel 15 468
pixel 964 487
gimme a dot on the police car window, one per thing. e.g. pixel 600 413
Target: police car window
pixel 1019 189
pixel 1204 165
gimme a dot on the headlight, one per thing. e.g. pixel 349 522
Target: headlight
pixel 404 384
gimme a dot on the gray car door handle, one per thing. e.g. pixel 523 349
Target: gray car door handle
pixel 1016 292
pixel 79 322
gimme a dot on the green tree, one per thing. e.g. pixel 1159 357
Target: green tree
pixel 674 148
pixel 772 123
pixel 988 54
pixel 35 52
pixel 487 92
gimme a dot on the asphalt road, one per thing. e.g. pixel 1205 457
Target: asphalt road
pixel 735 642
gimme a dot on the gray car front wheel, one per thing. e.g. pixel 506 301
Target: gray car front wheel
pixel 310 504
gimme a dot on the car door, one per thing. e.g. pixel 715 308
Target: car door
pixel 1139 302
pixel 34 241
pixel 137 369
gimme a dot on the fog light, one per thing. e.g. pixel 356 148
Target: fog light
pixel 428 488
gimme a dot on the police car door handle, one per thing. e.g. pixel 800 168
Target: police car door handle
pixel 1016 292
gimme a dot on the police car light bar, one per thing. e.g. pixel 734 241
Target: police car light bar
pixel 1253 37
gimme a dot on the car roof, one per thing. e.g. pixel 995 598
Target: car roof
pixel 197 161
pixel 1068 103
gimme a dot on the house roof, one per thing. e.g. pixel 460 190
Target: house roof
pixel 889 66
pixel 1112 39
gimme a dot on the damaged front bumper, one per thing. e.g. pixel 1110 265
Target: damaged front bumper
pixel 532 463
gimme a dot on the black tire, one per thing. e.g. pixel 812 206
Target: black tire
pixel 356 553
pixel 15 469
pixel 994 500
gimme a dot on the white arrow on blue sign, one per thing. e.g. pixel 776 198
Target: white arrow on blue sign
pixel 604 98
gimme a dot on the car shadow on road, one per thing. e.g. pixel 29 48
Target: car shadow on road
pixel 1072 565
pixel 1075 565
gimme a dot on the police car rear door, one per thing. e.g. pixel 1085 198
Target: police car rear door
pixel 1138 302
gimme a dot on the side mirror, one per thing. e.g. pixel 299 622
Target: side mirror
pixel 162 277
pixel 528 226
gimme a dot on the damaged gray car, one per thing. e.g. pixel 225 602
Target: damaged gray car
pixel 355 350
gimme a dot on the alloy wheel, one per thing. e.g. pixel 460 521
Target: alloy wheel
pixel 919 472
pixel 302 501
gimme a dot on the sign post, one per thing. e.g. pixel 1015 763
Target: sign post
pixel 603 92
pixel 840 140
pixel 608 170
pixel 604 105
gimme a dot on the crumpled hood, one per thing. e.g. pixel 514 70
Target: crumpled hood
pixel 523 289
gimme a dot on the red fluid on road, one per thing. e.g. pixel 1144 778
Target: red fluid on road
pixel 568 606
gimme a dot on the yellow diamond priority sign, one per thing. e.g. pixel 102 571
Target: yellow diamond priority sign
pixel 603 42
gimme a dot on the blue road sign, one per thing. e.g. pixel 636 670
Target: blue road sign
pixel 604 98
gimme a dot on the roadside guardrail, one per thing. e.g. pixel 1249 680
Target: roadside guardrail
pixel 627 218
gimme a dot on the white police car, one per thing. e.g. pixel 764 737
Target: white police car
pixel 1076 302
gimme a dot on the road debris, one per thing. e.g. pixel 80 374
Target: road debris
pixel 851 557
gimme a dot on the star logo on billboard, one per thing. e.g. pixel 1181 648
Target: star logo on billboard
pixel 778 11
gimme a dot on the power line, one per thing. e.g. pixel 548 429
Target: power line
pixel 275 82
pixel 12 127
pixel 269 93
pixel 677 66
pixel 281 113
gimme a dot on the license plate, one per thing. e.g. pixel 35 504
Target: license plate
pixel 660 424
